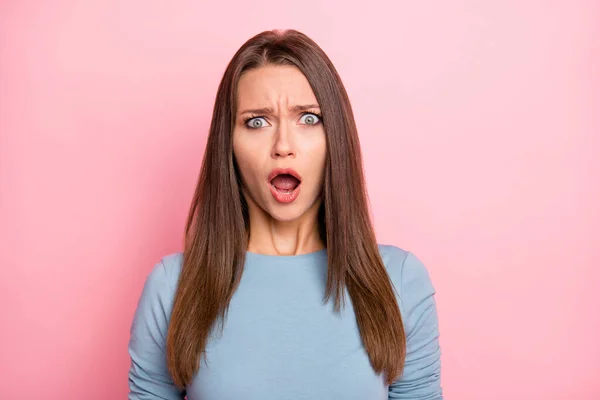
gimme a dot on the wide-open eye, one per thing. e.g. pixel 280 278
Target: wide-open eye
pixel 310 119
pixel 256 122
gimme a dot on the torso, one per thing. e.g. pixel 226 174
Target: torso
pixel 281 342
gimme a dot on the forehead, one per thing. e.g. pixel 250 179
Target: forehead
pixel 274 84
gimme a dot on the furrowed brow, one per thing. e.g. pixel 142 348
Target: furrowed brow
pixel 268 110
pixel 304 107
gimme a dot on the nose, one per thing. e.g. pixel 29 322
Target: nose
pixel 284 144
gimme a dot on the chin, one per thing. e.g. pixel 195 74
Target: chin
pixel 286 215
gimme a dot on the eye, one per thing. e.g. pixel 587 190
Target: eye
pixel 256 122
pixel 310 118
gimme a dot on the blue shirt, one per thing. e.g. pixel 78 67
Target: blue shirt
pixel 281 342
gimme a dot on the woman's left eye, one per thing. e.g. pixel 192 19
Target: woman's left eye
pixel 310 119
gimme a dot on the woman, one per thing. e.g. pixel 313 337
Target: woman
pixel 282 291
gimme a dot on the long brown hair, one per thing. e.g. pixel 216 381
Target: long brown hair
pixel 217 231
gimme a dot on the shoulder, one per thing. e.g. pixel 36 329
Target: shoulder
pixel 407 273
pixel 164 276
pixel 158 293
pixel 172 264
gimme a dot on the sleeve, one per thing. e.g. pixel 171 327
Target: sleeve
pixel 421 379
pixel 149 378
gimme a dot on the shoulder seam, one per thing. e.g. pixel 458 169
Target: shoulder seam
pixel 406 254
pixel 164 268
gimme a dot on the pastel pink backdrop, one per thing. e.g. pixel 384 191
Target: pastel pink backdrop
pixel 480 129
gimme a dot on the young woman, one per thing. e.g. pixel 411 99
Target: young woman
pixel 282 291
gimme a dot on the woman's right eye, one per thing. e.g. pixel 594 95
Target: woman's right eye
pixel 256 122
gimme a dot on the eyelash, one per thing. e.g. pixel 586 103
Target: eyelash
pixel 252 116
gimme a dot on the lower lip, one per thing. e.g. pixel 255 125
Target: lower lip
pixel 285 197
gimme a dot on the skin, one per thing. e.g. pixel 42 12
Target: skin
pixel 282 137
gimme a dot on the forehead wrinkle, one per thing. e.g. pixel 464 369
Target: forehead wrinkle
pixel 292 109
pixel 266 106
pixel 273 94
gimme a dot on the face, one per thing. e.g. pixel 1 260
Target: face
pixel 278 127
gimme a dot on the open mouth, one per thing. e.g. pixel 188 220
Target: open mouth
pixel 284 184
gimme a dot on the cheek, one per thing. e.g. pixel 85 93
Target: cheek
pixel 320 150
pixel 248 161
pixel 240 154
pixel 241 150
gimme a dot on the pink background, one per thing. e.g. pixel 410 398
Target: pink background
pixel 480 127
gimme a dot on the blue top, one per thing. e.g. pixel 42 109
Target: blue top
pixel 281 342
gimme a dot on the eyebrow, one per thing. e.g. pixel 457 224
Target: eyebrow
pixel 269 110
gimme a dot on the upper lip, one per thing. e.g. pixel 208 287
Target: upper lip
pixel 281 171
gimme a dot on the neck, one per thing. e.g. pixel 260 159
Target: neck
pixel 274 237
